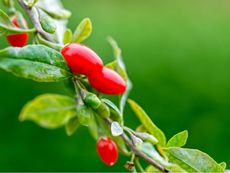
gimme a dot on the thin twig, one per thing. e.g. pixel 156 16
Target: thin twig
pixel 138 152
pixel 35 20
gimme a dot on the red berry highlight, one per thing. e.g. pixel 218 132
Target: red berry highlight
pixel 17 40
pixel 107 81
pixel 81 59
pixel 107 150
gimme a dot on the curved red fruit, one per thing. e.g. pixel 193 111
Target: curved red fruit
pixel 108 82
pixel 107 150
pixel 17 40
pixel 81 59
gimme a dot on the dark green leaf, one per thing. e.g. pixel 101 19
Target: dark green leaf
pixel 193 160
pixel 49 110
pixel 147 122
pixel 178 140
pixel 72 125
pixel 83 30
pixel 35 62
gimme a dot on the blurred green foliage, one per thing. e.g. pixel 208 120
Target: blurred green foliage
pixel 178 57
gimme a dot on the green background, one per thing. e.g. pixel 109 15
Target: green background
pixel 178 57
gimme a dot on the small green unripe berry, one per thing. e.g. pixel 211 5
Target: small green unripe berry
pixel 103 110
pixel 92 100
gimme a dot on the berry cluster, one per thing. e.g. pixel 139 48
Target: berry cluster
pixel 83 60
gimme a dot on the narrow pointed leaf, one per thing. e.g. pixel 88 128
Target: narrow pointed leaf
pixel 147 122
pixel 68 36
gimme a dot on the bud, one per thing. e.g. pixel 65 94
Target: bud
pixel 92 100
pixel 47 23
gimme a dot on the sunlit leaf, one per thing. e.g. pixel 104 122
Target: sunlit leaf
pixel 193 160
pixel 178 140
pixel 49 110
pixel 83 30
pixel 68 36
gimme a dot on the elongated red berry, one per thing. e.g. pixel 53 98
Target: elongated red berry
pixel 81 59
pixel 107 81
pixel 17 40
pixel 107 150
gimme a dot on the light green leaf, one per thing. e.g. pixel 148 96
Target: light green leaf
pixel 56 14
pixel 152 169
pixel 178 140
pixel 83 30
pixel 49 110
pixel 125 96
pixel 72 125
pixel 193 160
pixel 35 62
pixel 150 150
pixel 223 165
pixel 68 36
pixel 116 129
pixel 84 114
pixel 147 122
pixel 6 24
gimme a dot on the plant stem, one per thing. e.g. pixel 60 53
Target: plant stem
pixel 32 12
pixel 138 152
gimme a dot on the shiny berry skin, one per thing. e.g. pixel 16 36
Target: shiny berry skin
pixel 108 82
pixel 81 59
pixel 17 40
pixel 107 150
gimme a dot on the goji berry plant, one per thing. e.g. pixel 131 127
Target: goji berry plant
pixel 57 55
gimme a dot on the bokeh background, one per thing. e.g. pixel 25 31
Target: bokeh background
pixel 178 57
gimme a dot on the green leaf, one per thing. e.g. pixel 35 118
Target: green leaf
pixel 178 140
pixel 125 96
pixel 47 23
pixel 31 3
pixel 72 125
pixel 223 165
pixel 150 150
pixel 193 160
pixel 20 20
pixel 68 36
pixel 93 129
pixel 147 122
pixel 115 112
pixel 6 24
pixel 152 169
pixel 36 62
pixel 49 110
pixel 84 114
pixel 56 14
pixel 83 30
